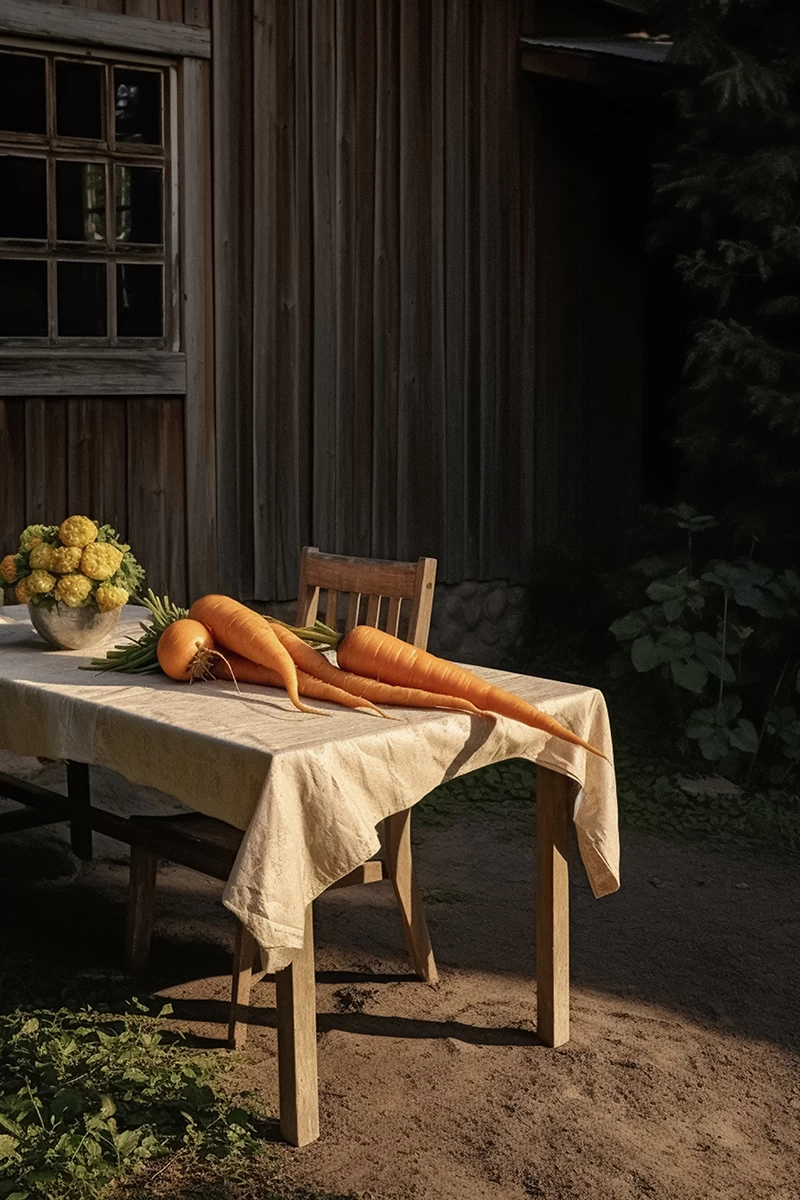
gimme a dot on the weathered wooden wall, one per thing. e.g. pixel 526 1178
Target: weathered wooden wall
pixel 421 342
pixel 119 458
pixel 367 287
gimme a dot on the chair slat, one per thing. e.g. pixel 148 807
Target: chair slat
pixel 331 607
pixel 393 615
pixel 364 575
pixel 373 610
pixel 352 611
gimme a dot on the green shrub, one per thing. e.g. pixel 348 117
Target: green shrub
pixel 724 638
pixel 87 1098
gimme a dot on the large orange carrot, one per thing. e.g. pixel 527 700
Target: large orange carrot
pixel 242 670
pixel 369 651
pixel 244 632
pixel 310 660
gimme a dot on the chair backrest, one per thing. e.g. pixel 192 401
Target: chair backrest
pixel 376 590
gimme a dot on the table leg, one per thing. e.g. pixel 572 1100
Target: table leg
pixel 553 799
pixel 297 1044
pixel 244 957
pixel 79 795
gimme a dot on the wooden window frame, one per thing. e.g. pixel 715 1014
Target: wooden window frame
pixel 86 366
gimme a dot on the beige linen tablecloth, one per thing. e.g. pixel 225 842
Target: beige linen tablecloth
pixel 309 790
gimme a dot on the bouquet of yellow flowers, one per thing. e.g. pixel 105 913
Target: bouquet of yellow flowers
pixel 79 563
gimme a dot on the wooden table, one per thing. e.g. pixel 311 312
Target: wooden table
pixel 297 1045
pixel 295 984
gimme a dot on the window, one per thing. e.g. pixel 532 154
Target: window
pixel 85 235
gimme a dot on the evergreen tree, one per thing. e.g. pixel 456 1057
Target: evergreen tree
pixel 730 204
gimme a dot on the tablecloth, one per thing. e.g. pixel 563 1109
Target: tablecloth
pixel 308 790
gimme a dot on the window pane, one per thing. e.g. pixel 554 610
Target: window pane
pixel 81 201
pixel 140 303
pixel 81 299
pixel 139 191
pixel 137 106
pixel 23 197
pixel 79 100
pixel 23 298
pixel 22 94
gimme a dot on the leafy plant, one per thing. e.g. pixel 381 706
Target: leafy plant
pixel 86 1098
pixel 728 213
pixel 720 634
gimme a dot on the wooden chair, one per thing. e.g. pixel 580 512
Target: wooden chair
pixel 398 596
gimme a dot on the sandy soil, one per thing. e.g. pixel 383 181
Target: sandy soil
pixel 681 1080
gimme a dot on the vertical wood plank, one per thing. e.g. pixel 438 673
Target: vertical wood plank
pixel 171 10
pixel 553 795
pixel 197 294
pixel 232 33
pixel 173 515
pixel 363 280
pixel 113 467
pixel 12 474
pixel 45 461
pixel 344 243
pixel 470 524
pixel 323 125
pixel 156 504
pixel 386 282
pixel 455 122
pixel 419 443
pixel 142 8
pixel 267 234
pixel 303 266
pixel 197 12
pixel 84 441
pixel 491 217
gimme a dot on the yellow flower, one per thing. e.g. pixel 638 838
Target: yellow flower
pixel 100 560
pixel 109 598
pixel 73 590
pixel 41 581
pixel 23 591
pixel 41 557
pixel 8 569
pixel 77 531
pixel 65 559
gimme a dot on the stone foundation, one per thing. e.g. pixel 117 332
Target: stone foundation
pixel 477 623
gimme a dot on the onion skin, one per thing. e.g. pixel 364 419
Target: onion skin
pixel 185 649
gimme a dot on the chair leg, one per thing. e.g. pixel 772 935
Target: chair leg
pixel 244 956
pixel 141 899
pixel 400 868
pixel 297 1044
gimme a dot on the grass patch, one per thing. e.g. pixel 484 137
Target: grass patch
pixel 88 1097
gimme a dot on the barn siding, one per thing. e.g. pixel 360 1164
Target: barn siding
pixel 368 395
pixel 411 353
pixel 115 458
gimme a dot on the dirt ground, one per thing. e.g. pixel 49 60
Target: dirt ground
pixel 681 1080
